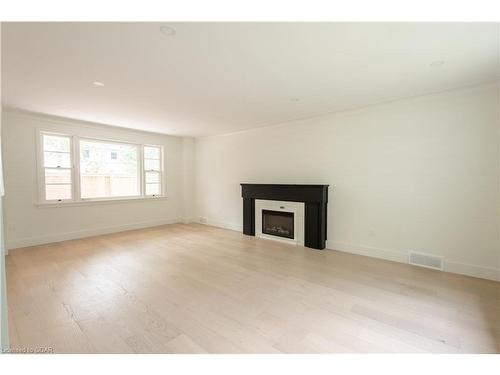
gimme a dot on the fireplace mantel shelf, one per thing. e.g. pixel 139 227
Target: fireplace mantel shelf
pixel 315 198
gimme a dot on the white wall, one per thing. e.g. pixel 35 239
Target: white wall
pixel 421 174
pixel 27 224
pixel 188 151
pixel 4 337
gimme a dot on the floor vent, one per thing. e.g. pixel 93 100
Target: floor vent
pixel 426 260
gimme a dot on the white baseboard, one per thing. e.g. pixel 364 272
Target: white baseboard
pixel 483 272
pixel 451 266
pixel 474 270
pixel 393 255
pixel 222 224
pixel 40 240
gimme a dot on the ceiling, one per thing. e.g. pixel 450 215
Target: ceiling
pixel 213 78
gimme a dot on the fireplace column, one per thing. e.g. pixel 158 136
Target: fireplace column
pixel 249 216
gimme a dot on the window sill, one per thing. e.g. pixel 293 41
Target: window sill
pixel 90 202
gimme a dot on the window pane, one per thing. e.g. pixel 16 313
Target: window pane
pixel 56 143
pixel 152 177
pixel 54 192
pixel 57 176
pixel 57 159
pixel 151 165
pixel 152 189
pixel 108 169
pixel 151 152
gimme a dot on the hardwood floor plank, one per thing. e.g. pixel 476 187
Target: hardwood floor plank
pixel 189 288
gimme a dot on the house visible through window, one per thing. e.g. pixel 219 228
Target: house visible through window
pixel 109 169
pixel 106 169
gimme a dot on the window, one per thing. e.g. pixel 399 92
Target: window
pixel 108 169
pixel 104 169
pixel 152 170
pixel 57 167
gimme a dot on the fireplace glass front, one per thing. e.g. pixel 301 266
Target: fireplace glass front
pixel 277 223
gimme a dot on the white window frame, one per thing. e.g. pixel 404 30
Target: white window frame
pixel 139 170
pixel 41 168
pixel 75 171
pixel 160 172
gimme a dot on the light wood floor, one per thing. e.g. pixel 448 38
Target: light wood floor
pixel 198 289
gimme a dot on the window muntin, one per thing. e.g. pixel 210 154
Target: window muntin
pixel 57 167
pixel 152 170
pixel 108 169
pixel 104 169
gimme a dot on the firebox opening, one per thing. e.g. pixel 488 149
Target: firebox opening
pixel 278 223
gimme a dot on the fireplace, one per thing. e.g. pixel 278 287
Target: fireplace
pixel 277 223
pixel 298 213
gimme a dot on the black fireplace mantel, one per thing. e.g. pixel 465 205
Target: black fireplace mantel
pixel 315 198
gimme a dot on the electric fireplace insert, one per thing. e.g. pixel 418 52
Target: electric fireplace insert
pixel 278 223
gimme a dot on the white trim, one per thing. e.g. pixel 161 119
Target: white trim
pixel 140 161
pixel 76 169
pixel 347 111
pixel 138 148
pixel 106 140
pixel 41 169
pixel 40 240
pixel 222 224
pixel 473 270
pixel 76 199
pixel 372 252
pixel 489 273
pixel 97 201
pixel 450 266
pixel 160 171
